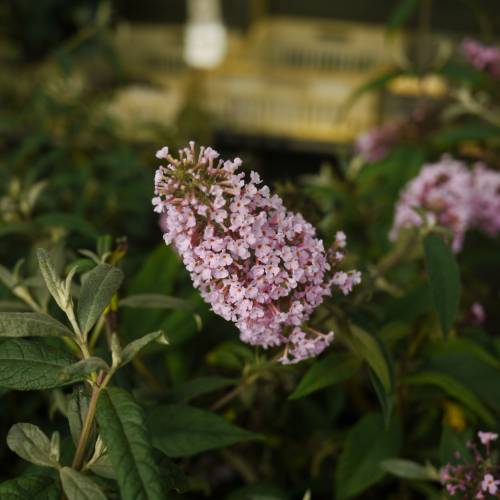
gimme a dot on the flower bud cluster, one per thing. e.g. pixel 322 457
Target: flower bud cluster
pixel 482 57
pixel 257 264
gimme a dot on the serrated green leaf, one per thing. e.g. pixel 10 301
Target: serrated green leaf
pixel 96 293
pixel 180 431
pixel 131 350
pixel 328 371
pixel 19 324
pixel 444 279
pixel 30 487
pixel 123 431
pixel 155 301
pixel 82 368
pixel 31 444
pixel 27 365
pixel 367 444
pixel 78 486
pixel 455 389
pixel 407 469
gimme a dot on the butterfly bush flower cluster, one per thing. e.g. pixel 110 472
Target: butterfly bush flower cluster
pixel 253 261
pixel 448 194
pixel 482 57
pixel 377 143
pixel 477 478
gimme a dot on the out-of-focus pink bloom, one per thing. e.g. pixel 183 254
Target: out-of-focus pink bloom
pixel 450 195
pixel 254 262
pixel 377 143
pixel 486 199
pixel 490 484
pixel 477 316
pixel 487 437
pixel 442 191
pixel 482 57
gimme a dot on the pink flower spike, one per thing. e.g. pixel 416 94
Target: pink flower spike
pixel 256 263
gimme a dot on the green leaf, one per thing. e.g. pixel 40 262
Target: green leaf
pixel 13 306
pixel 155 301
pixel 67 221
pixel 96 293
pixel 123 431
pixel 103 467
pixel 19 324
pixel 401 14
pixel 135 346
pixel 180 431
pixel 78 405
pixel 368 348
pixel 33 487
pixel 30 443
pixel 475 130
pixel 50 276
pixel 328 371
pixel 454 389
pixel 182 393
pixel 407 469
pixel 444 279
pixel 27 365
pixel 82 368
pixel 77 486
pixel 367 444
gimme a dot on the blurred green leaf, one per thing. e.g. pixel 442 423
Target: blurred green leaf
pixel 444 279
pixel 367 347
pixel 181 431
pixel 155 301
pixel 451 136
pixel 30 487
pixel 367 444
pixel 407 469
pixel 454 389
pixel 401 14
pixel 182 393
pixel 258 491
pixel 327 371
pixel 68 221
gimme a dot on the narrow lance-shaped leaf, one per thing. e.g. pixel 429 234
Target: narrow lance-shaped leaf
pixel 367 347
pixel 20 324
pixel 96 293
pixel 123 431
pixel 30 443
pixel 325 372
pixel 455 389
pixel 180 430
pixel 444 278
pixel 408 469
pixel 155 301
pixel 77 486
pixel 134 347
pixel 78 405
pixel 27 365
pixel 50 276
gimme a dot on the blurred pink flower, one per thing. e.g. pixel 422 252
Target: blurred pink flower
pixel 482 57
